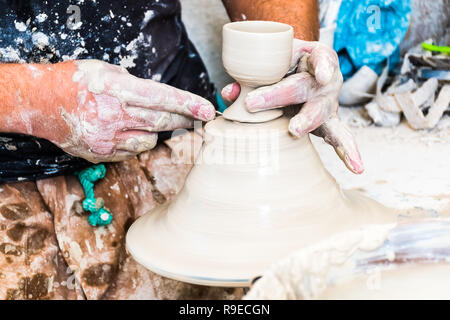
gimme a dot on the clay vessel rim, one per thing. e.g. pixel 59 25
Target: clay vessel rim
pixel 237 25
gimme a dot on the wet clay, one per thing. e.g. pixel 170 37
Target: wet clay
pixel 255 195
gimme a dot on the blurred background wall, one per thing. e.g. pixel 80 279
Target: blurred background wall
pixel 204 20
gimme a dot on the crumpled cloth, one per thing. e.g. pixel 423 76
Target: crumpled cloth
pixel 48 250
pixel 370 31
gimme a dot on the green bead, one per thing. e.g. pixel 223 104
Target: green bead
pixel 99 216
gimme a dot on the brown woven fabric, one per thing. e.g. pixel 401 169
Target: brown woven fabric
pixel 48 249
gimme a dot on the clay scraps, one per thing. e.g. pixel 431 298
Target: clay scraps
pixel 421 92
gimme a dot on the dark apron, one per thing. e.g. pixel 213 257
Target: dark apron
pixel 146 37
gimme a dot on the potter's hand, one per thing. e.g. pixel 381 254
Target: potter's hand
pixel 316 83
pixel 119 114
pixel 98 111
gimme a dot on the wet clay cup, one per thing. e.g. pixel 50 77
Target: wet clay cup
pixel 255 54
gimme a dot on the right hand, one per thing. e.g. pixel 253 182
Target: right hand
pixel 109 115
pixel 316 85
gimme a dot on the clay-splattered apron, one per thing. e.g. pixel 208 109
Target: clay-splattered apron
pixel 48 250
pixel 146 37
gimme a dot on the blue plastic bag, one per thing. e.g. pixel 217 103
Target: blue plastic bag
pixel 369 31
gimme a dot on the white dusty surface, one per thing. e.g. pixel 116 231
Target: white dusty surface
pixel 407 260
pixel 404 168
pixel 423 282
pixel 305 274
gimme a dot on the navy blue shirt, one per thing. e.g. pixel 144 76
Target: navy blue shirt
pixel 148 38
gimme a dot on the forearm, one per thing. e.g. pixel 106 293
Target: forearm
pixel 30 95
pixel 303 15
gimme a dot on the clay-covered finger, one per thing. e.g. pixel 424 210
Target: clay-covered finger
pixel 294 89
pixel 299 48
pixel 231 91
pixel 312 114
pixel 324 62
pixel 161 97
pixel 335 133
pixel 156 121
pixel 136 141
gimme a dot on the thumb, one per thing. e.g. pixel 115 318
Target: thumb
pixel 231 92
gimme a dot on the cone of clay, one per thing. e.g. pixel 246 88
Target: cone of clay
pixel 255 195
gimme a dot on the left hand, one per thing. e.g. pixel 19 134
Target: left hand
pixel 316 83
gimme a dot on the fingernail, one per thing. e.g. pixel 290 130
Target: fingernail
pixel 323 74
pixel 201 111
pixel 255 102
pixel 140 143
pixel 226 91
pixel 132 144
pixel 298 126
pixel 356 165
pixel 206 112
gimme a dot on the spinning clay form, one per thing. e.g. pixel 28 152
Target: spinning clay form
pixel 256 193
pixel 255 53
